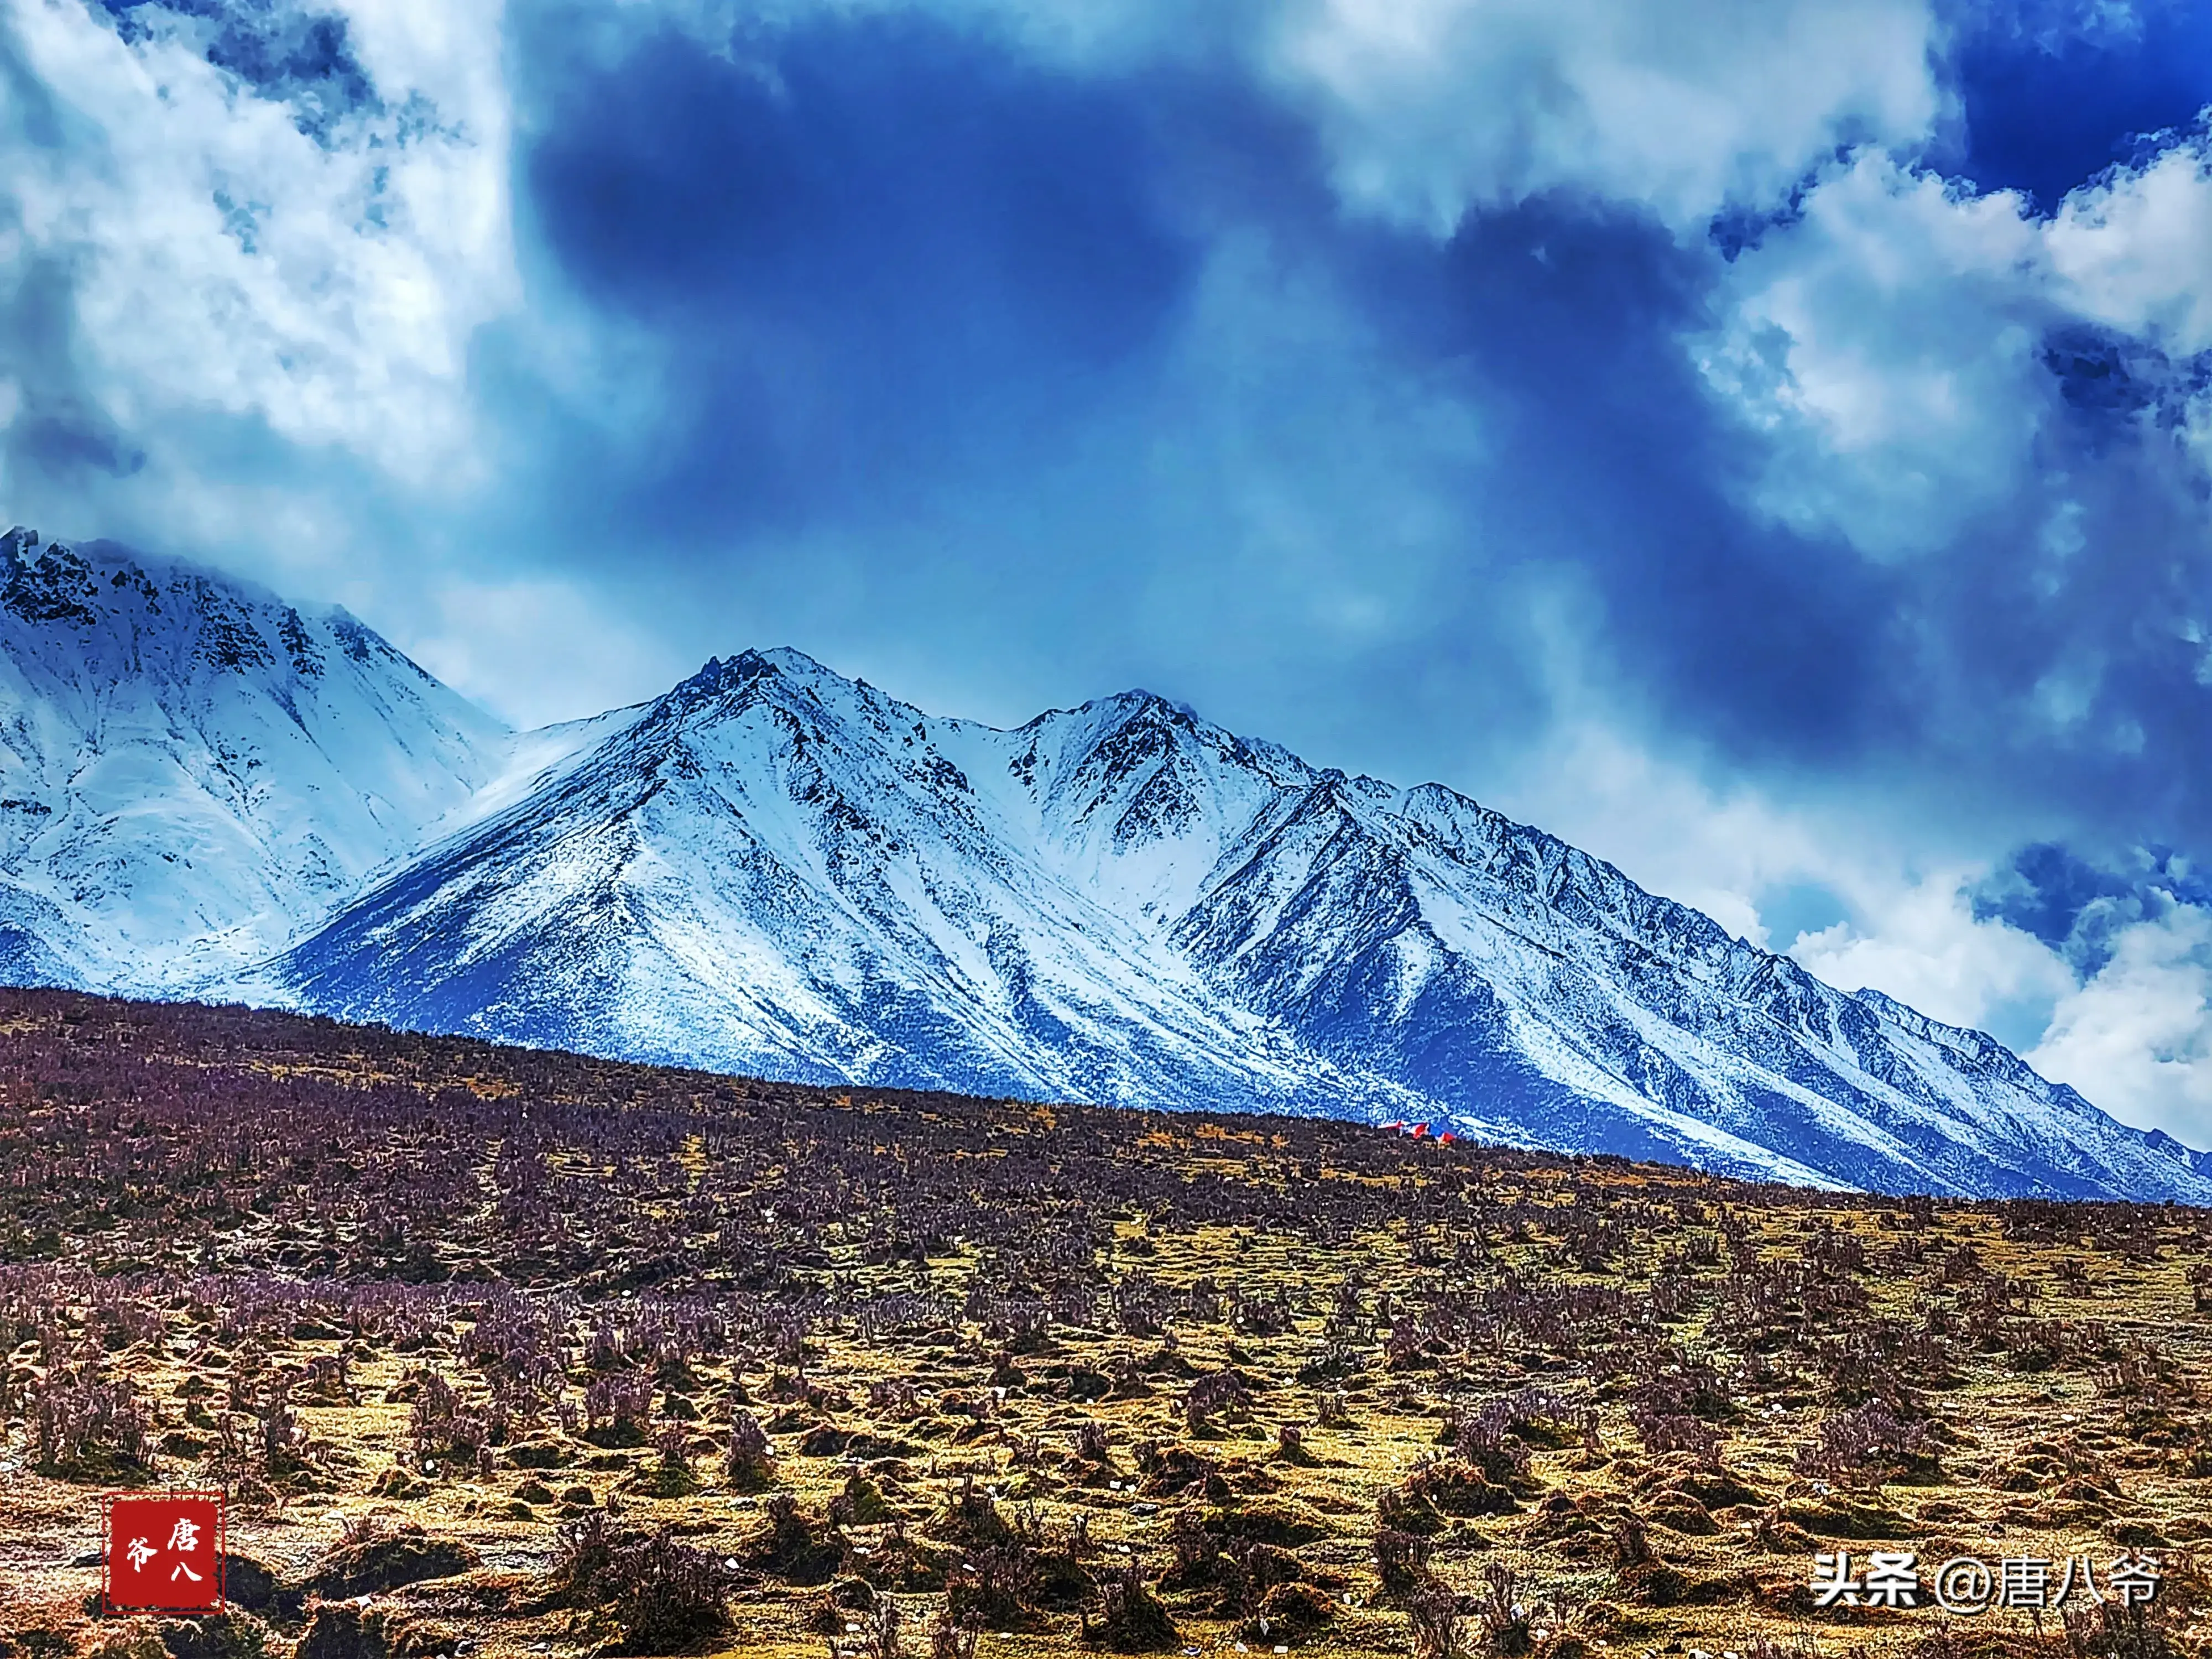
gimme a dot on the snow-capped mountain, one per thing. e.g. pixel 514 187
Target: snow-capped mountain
pixel 193 773
pixel 776 870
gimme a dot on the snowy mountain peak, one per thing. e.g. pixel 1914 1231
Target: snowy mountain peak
pixel 717 675
pixel 198 770
pixel 776 869
pixel 773 868
pixel 724 687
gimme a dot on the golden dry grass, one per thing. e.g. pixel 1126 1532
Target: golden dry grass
pixel 1367 1300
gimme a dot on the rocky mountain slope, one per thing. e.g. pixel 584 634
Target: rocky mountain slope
pixel 775 869
pixel 193 772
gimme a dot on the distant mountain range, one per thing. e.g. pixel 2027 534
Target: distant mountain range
pixel 207 793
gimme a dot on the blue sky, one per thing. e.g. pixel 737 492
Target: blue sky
pixel 1767 441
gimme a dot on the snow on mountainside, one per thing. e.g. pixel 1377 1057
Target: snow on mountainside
pixel 771 869
pixel 193 772
pixel 203 790
pixel 777 870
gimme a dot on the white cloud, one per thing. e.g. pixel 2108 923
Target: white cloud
pixel 1435 105
pixel 1887 344
pixel 223 261
pixel 1918 940
pixel 2131 250
pixel 536 649
pixel 2138 1038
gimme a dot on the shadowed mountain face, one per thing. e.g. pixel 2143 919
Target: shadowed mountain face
pixel 775 870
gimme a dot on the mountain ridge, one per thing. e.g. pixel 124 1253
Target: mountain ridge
pixel 1300 900
pixel 773 869
pixel 198 767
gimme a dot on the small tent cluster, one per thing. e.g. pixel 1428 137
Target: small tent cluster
pixel 1420 1131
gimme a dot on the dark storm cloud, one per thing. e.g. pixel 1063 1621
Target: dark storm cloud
pixel 2103 375
pixel 1564 321
pixel 2082 679
pixel 902 275
pixel 58 432
pixel 890 261
pixel 1939 677
pixel 66 443
pixel 886 254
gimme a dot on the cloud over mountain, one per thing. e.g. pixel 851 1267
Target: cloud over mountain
pixel 1804 405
